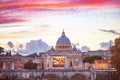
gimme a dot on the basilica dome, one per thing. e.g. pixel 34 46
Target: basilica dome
pixel 63 39
pixel 63 43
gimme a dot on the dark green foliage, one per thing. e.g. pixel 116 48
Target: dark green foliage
pixel 8 53
pixel 1 62
pixel 1 49
pixel 91 59
pixel 30 65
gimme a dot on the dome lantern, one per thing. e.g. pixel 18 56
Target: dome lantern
pixel 63 33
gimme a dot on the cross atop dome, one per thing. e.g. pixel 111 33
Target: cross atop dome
pixel 63 33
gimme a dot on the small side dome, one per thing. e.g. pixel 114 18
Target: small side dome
pixel 52 49
pixel 74 48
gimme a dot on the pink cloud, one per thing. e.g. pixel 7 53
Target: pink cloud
pixel 10 20
pixel 15 8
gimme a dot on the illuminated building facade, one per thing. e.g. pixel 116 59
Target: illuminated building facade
pixel 102 64
pixel 63 56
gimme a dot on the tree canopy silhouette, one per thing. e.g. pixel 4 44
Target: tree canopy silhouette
pixel 1 49
pixel 115 59
pixel 91 59
pixel 30 65
pixel 1 62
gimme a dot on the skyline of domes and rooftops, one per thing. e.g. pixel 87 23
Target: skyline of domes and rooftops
pixel 63 43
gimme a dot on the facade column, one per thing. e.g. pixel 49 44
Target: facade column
pixel 66 63
pixel 51 63
pixel 12 67
pixel 4 66
pixel 46 62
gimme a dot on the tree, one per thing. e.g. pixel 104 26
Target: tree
pixel 91 59
pixel 1 62
pixel 30 65
pixel 1 49
pixel 115 59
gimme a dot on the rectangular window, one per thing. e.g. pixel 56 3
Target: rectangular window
pixel 58 61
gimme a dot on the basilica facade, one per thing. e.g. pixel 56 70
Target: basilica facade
pixel 63 56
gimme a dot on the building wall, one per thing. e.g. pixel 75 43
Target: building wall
pixel 7 62
pixel 18 63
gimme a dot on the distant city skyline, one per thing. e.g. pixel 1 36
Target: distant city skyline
pixel 86 23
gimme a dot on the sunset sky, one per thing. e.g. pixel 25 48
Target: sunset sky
pixel 87 22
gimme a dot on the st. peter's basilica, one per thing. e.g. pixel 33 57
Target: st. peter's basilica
pixel 63 56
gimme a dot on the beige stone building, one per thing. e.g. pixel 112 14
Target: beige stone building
pixel 18 62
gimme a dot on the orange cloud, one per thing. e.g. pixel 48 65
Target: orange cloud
pixel 53 5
